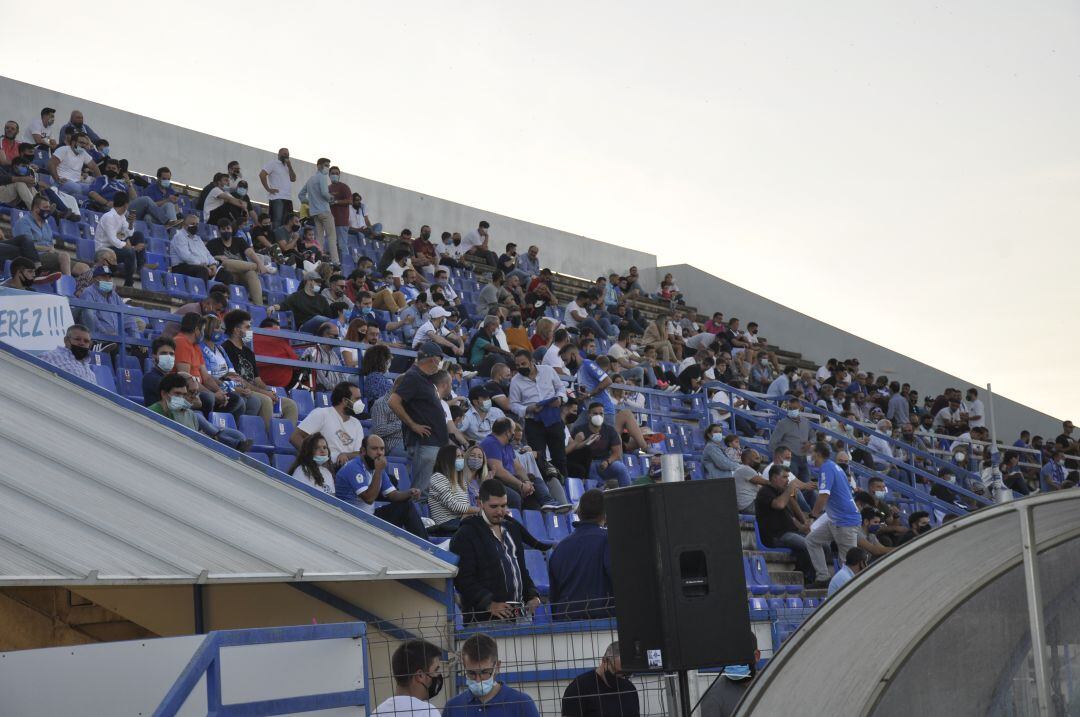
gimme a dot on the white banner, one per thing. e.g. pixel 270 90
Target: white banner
pixel 33 322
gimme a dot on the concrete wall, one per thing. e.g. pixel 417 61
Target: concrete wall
pixel 819 341
pixel 193 158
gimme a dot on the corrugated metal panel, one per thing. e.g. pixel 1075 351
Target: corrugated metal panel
pixel 91 493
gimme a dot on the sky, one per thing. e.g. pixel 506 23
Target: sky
pixel 909 172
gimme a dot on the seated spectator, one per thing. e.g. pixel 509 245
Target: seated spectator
pixel 782 384
pixel 160 201
pixel 517 336
pixel 920 523
pixel 748 480
pixel 105 187
pixel 102 322
pixel 242 398
pixel 163 355
pixel 70 161
pixel 360 222
pixel 177 396
pixel 76 125
pixel 481 415
pixel 220 204
pixel 237 344
pixel 286 237
pixel 321 353
pixel 19 183
pixel 492 573
pixel 714 460
pixel 190 359
pixel 475 243
pixel 74 356
pixel 34 228
pixel 781 521
pixel 425 257
pixel 579 568
pixel 1012 475
pixel 337 422
pixel 602 691
pixel 270 346
pixel 868 540
pixel 523 489
pixel 597 450
pixel 188 254
pixel 310 463
pixel 656 337
pixel 1053 475
pixel 238 259
pixel 434 330
pixel 40 131
pixel 336 290
pixel 577 316
pixel 448 492
pixel 855 562
pixel 309 307
pixel 366 477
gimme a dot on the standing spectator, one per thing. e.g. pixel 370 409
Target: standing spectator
pixel 40 131
pixel 476 244
pixel 537 393
pixel 316 194
pixel 973 407
pixel 340 201
pixel 338 422
pixel 898 410
pixel 277 177
pixel 417 669
pixel 855 561
pixel 491 561
pixel 76 125
pixel 781 385
pixel 834 499
pixel 793 432
pixel 580 566
pixel 484 694
pixel 310 463
pixel 602 692
pixel 416 402
pixel 73 357
pixel 68 163
pixel 188 254
pixel 781 521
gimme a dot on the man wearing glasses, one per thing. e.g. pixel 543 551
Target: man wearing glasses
pixel 480 662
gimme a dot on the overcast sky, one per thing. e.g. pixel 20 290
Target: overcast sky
pixel 909 172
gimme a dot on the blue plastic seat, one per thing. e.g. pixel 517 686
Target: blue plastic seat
pixel 305 404
pixel 575 487
pixel 222 420
pixel 196 287
pixel 238 293
pixel 281 429
pixel 759 609
pixel 516 515
pixel 259 456
pixel 322 399
pixel 104 377
pixel 84 249
pixel 534 523
pixel 152 280
pixel 558 525
pixel 400 470
pixel 534 563
pixel 793 603
pixel 65 285
pixel 129 381
pixel 254 428
pixel 176 285
pixel 283 462
pixel 757 575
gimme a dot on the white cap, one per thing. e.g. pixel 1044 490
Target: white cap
pixel 438 312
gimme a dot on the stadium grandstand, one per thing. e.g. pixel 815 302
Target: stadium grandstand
pixel 267 382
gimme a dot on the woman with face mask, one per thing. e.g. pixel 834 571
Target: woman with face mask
pixel 242 401
pixel 448 493
pixel 714 461
pixel 312 464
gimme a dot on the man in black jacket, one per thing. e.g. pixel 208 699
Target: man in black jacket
pixel 491 570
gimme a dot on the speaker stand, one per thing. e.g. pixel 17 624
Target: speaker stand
pixel 684 693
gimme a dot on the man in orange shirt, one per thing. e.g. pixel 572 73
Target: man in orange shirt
pixel 189 360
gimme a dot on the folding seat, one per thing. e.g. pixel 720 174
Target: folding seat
pixel 196 287
pixel 281 429
pixel 534 563
pixel 104 376
pixel 222 420
pixel 534 523
pixel 259 456
pixel 558 525
pixel 304 402
pixel 129 381
pixel 152 280
pixel 400 470
pixel 575 487
pixel 176 285
pixel 283 462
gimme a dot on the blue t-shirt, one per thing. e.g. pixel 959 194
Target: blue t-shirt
pixel 108 188
pixel 39 235
pixel 157 192
pixel 507 703
pixel 589 376
pixel 492 448
pixel 841 507
pixel 353 478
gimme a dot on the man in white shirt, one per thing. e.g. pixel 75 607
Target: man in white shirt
pixel 359 221
pixel 40 130
pixel 973 407
pixel 277 177
pixel 824 372
pixel 114 232
pixel 417 669
pixel 214 208
pixel 337 423
pixel 450 250
pixel 434 330
pixel 560 338
pixel 476 243
pixel 68 162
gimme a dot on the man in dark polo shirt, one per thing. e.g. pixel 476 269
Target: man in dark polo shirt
pixel 602 692
pixel 781 522
pixel 416 402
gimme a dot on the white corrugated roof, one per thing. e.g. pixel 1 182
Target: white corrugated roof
pixel 91 493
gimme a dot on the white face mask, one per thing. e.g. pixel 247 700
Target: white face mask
pixel 166 362
pixel 786 463
pixel 596 420
pixel 249 336
pixel 793 413
pixel 485 405
pixel 717 437
pixel 880 494
pixel 958 456
pixel 178 403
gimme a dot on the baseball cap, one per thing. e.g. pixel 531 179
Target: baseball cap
pixel 438 312
pixel 429 349
pixel 102 271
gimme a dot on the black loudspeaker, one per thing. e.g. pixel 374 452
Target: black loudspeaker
pixel 677 569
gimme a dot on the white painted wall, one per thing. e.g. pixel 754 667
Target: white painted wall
pixel 818 341
pixel 193 158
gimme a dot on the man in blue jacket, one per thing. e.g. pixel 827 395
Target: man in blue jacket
pixel 485 694
pixel 580 566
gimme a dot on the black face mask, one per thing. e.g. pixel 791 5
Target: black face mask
pixel 435 687
pixel 193 229
pixel 573 364
pixel 80 352
pixel 570 418
pixel 110 173
pixel 524 371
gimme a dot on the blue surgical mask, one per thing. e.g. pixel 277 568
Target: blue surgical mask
pixel 335 177
pixel 241 191
pixel 736 672
pixel 875 527
pixel 324 170
pixel 482 687
pixel 165 183
pixel 320 459
pixel 367 310
pixel 105 150
pixel 105 286
pixel 459 464
pixel 22 170
pixel 216 337
pixel 717 437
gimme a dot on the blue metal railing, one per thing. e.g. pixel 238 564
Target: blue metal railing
pixel 207 661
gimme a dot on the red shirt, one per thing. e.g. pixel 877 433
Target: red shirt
pixel 10 148
pixel 339 191
pixel 274 374
pixel 423 247
pixel 538 341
